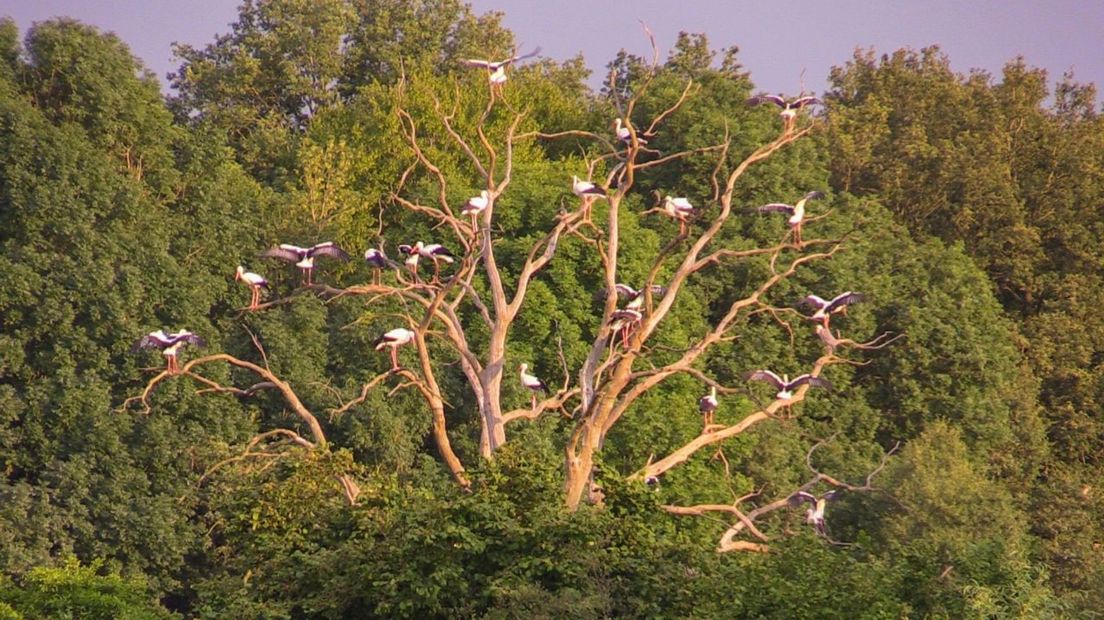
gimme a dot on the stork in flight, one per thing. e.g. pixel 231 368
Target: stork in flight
pixel 254 281
pixel 304 257
pixel 169 344
pixel 827 307
pixel 378 261
pixel 784 385
pixel 496 69
pixel 707 405
pixel 394 339
pixel 533 384
pixel 814 515
pixel 796 212
pixel 789 109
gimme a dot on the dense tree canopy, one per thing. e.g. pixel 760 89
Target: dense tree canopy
pixel 289 471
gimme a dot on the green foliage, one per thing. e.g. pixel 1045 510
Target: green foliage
pixel 75 591
pixel 964 205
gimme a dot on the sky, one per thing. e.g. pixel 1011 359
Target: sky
pixel 787 46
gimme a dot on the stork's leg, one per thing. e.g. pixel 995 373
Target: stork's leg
pixel 797 234
pixel 533 403
pixel 394 359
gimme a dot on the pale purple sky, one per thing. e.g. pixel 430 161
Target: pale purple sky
pixel 777 40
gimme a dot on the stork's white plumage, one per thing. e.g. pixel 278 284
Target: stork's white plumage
pixel 827 307
pixel 586 188
pixel 679 209
pixel 431 251
pixel 784 385
pixel 532 383
pixel 707 405
pixel 476 204
pixel 169 344
pixel 624 322
pixel 795 212
pixel 254 281
pixel 496 69
pixel 394 339
pixel 788 109
pixel 304 257
pixel 624 134
pixel 814 515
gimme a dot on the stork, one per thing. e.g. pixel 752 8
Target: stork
pixel 533 384
pixel 624 322
pixel 707 405
pixel 169 344
pixel 496 69
pixel 784 385
pixel 304 257
pixel 624 133
pixel 378 261
pixel 476 204
pixel 254 281
pixel 679 209
pixel 814 515
pixel 789 108
pixel 825 308
pixel 796 212
pixel 584 189
pixel 394 339
pixel 432 251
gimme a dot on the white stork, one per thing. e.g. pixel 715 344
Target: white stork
pixel 476 204
pixel 624 134
pixel 784 385
pixel 169 344
pixel 432 251
pixel 378 261
pixel 584 189
pixel 789 108
pixel 796 212
pixel 496 69
pixel 533 384
pixel 304 257
pixel 814 515
pixel 679 209
pixel 254 281
pixel 394 339
pixel 707 405
pixel 827 307
pixel 624 322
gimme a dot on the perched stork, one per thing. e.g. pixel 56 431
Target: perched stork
pixel 533 384
pixel 789 108
pixel 254 281
pixel 679 209
pixel 784 385
pixel 496 69
pixel 378 261
pixel 796 212
pixel 827 307
pixel 624 322
pixel 584 189
pixel 707 405
pixel 476 204
pixel 624 134
pixel 431 251
pixel 814 515
pixel 304 257
pixel 169 344
pixel 394 339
